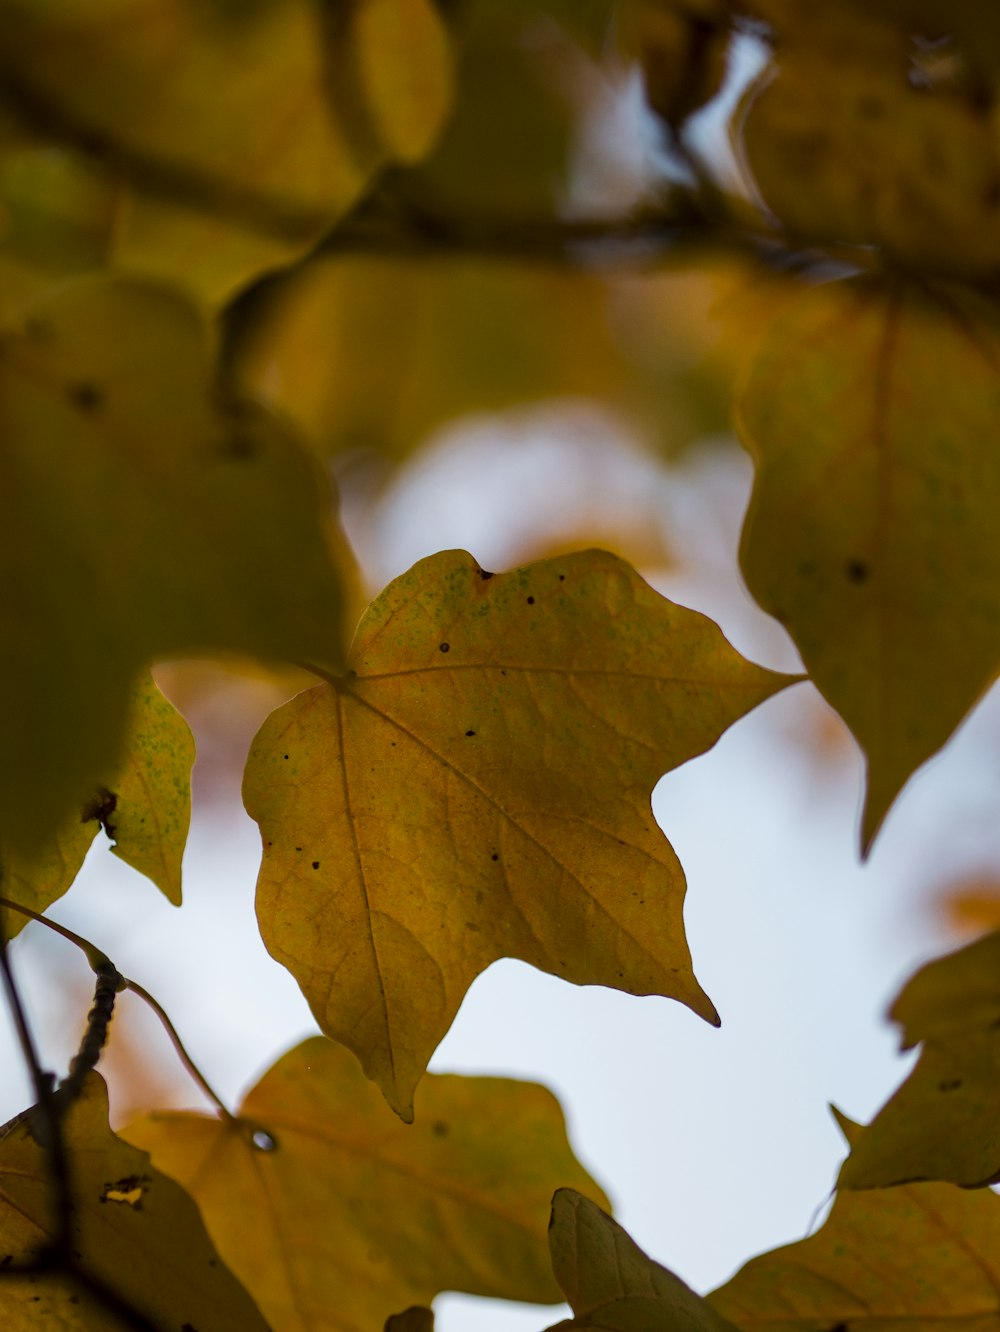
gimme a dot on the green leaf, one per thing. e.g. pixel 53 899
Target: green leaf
pixel 140 516
pixel 478 787
pixel 872 530
pixel 944 1121
pixel 355 1215
pixel 145 808
pixel 610 1283
pixel 132 1231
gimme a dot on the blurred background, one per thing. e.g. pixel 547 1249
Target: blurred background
pixel 526 406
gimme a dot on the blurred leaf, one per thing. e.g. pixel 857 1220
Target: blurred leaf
pixel 265 126
pixel 944 1121
pixel 845 148
pixel 354 1214
pixel 141 516
pixel 974 26
pixel 610 1283
pixel 414 1319
pixel 872 530
pixel 57 212
pixel 478 787
pixel 682 47
pixel 970 905
pixel 506 151
pixel 326 346
pixel 922 1258
pixel 145 809
pixel 331 350
pixel 132 1231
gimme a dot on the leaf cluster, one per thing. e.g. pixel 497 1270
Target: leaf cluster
pixel 247 246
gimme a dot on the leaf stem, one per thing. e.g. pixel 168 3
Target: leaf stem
pixel 178 1045
pixel 110 982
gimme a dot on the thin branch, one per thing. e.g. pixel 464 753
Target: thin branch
pixel 110 981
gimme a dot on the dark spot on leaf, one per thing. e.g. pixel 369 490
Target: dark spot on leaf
pixel 503 672
pixel 86 396
pixel 485 574
pixel 315 864
pixel 38 329
pixel 298 848
pixel 470 733
pixel 239 445
pixel 286 756
pixel 857 571
pixel 444 647
pixel 494 856
pixel 531 601
pixel 950 1084
pixel 439 1128
pixel 101 807
pixel 562 578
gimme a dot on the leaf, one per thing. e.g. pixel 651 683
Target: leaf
pixel 922 1258
pixel 480 337
pixel 58 211
pixel 140 516
pixel 845 148
pixel 356 1215
pixel 478 787
pixel 609 1281
pixel 871 533
pixel 133 1232
pixel 507 149
pixel 413 1319
pixel 682 49
pixel 145 808
pixel 152 811
pixel 265 128
pixel 944 1121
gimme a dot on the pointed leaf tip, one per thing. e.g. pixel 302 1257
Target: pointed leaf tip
pixel 876 546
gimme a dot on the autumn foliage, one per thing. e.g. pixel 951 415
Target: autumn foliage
pixel 249 248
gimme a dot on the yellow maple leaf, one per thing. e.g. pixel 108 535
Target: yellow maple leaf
pixel 355 1214
pixel 478 787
